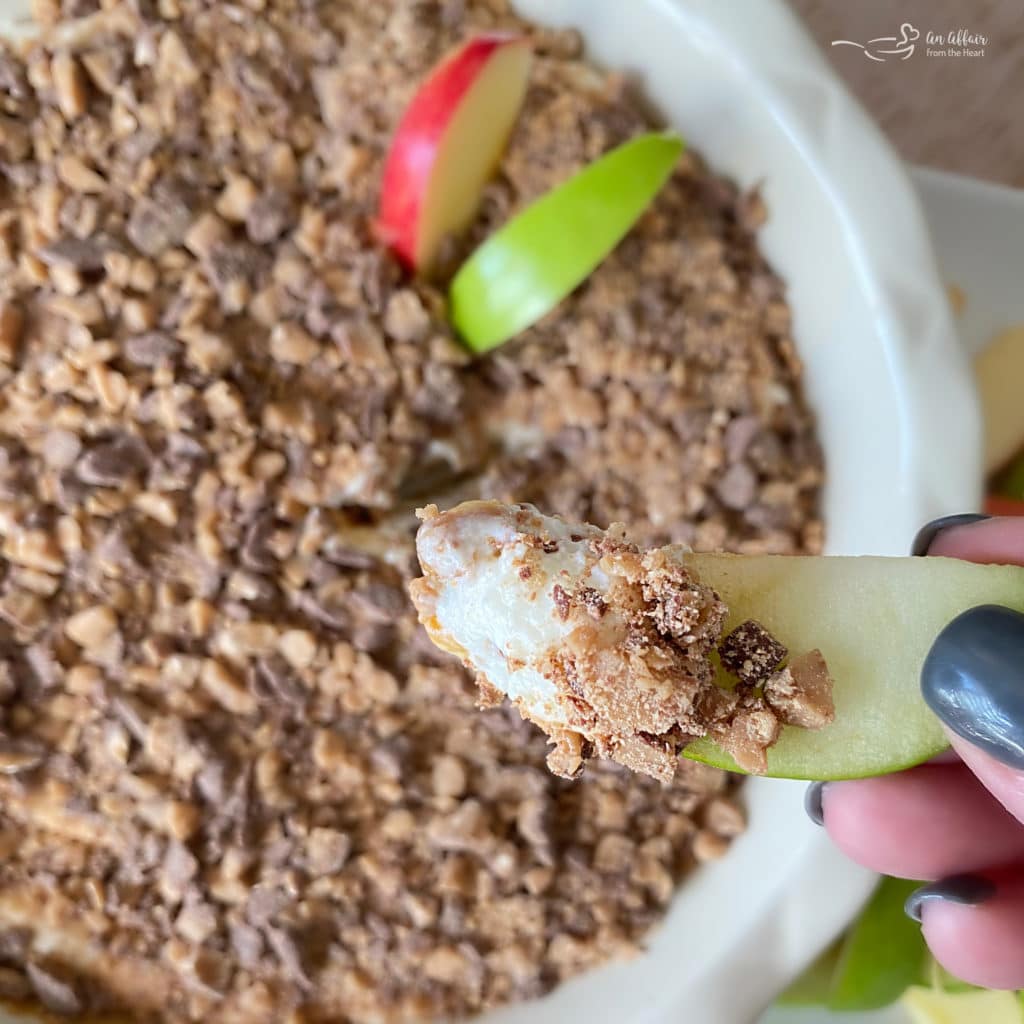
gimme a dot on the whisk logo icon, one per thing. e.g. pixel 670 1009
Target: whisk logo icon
pixel 887 47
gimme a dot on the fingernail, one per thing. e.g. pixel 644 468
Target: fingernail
pixel 812 802
pixel 967 890
pixel 927 534
pixel 973 679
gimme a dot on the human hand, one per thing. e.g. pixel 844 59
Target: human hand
pixel 958 821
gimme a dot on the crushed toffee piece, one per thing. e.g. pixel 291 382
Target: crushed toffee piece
pixel 239 783
pixel 801 693
pixel 751 653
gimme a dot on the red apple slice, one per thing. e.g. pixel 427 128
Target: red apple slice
pixel 448 144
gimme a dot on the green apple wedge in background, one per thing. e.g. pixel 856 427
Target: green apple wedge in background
pixel 882 959
pixel 529 265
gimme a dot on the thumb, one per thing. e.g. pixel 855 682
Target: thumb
pixel 973 679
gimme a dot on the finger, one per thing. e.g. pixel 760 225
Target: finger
pixel 978 934
pixel 973 679
pixel 1004 782
pixel 929 822
pixel 998 540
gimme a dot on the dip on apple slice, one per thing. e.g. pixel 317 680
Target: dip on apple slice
pixel 607 648
pixel 632 655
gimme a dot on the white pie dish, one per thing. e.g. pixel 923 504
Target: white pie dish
pixel 750 91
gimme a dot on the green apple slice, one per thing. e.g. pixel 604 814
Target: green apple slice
pixel 527 267
pixel 882 955
pixel 814 986
pixel 874 619
pixel 1011 482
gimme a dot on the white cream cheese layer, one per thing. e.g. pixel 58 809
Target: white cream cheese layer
pixel 504 612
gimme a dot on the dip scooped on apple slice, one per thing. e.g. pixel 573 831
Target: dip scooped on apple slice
pixel 737 661
pixel 605 647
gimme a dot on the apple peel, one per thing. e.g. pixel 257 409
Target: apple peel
pixel 449 143
pixel 525 269
pixel 874 620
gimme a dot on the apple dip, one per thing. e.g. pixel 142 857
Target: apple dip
pixel 606 647
pixel 237 780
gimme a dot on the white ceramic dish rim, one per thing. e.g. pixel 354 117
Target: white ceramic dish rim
pixel 743 927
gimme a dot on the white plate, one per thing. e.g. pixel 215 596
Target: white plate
pixel 978 231
pixel 749 89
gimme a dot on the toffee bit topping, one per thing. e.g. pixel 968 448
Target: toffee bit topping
pixel 748 736
pixel 801 693
pixel 751 653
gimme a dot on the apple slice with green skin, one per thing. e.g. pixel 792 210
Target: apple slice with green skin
pixel 448 144
pixel 1011 480
pixel 883 958
pixel 874 620
pixel 883 953
pixel 498 591
pixel 812 988
pixel 527 267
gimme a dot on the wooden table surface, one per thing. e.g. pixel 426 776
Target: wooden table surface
pixel 957 113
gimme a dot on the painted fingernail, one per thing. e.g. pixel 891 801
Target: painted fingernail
pixel 927 534
pixel 973 679
pixel 812 802
pixel 967 890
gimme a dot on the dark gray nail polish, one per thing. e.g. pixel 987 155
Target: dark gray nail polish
pixel 927 534
pixel 967 890
pixel 973 679
pixel 812 802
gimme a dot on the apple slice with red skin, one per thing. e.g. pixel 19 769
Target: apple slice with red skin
pixel 448 144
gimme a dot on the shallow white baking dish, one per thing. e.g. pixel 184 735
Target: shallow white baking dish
pixel 897 418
